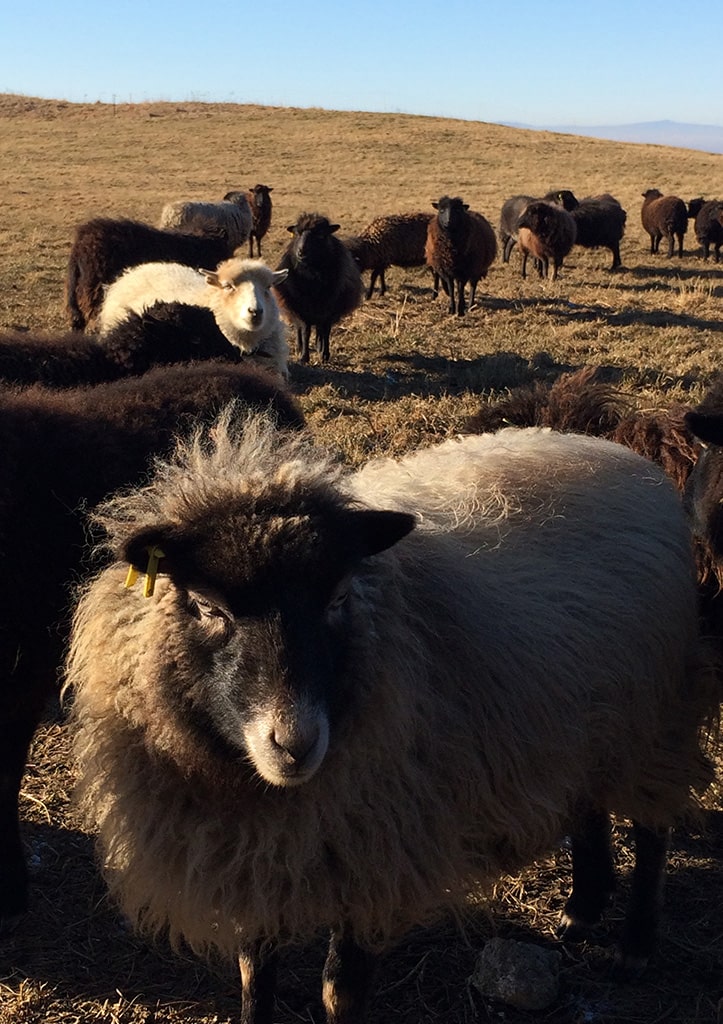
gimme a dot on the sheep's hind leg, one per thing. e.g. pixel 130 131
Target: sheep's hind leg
pixel 347 978
pixel 640 930
pixel 303 335
pixel 258 984
pixel 593 876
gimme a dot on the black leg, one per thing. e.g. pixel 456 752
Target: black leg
pixel 258 984
pixel 593 875
pixel 642 918
pixel 347 978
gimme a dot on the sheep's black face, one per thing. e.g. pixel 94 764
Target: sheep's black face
pixel 259 629
pixel 704 489
pixel 450 212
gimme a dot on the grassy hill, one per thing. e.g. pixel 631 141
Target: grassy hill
pixel 402 372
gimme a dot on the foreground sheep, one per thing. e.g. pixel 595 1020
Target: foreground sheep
pixel 231 218
pixel 460 247
pixel 397 239
pixel 238 293
pixel 664 217
pixel 322 282
pixel 103 248
pixel 323 720
pixel 61 452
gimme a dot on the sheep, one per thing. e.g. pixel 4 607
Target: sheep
pixel 707 224
pixel 103 248
pixel 515 206
pixel 324 718
pixel 664 216
pixel 232 218
pixel 259 200
pixel 547 232
pixel 164 333
pixel 397 239
pixel 61 453
pixel 600 223
pixel 460 247
pixel 238 293
pixel 323 282
pixel 704 485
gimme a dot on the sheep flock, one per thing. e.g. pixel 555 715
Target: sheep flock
pixel 309 700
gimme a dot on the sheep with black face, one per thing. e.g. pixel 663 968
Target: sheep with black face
pixel 325 719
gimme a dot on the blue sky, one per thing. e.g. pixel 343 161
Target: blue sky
pixel 554 63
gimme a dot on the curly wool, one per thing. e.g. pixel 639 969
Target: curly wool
pixel 451 767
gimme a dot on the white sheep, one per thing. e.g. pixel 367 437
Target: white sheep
pixel 232 217
pixel 238 293
pixel 320 719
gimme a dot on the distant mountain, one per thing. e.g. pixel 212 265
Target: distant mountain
pixel 708 137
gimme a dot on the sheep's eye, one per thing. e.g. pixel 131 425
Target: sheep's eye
pixel 207 612
pixel 339 596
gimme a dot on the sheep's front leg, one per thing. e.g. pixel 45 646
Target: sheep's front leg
pixel 258 984
pixel 347 978
pixel 593 875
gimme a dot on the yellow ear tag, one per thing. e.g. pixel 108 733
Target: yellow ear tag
pixel 149 580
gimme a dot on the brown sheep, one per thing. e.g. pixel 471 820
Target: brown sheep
pixel 397 239
pixel 460 247
pixel 546 232
pixel 103 248
pixel 664 217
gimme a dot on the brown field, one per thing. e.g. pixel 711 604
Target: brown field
pixel 402 372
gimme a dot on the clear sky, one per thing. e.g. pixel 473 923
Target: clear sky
pixel 562 62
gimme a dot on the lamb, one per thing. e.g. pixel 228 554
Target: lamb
pixel 664 217
pixel 259 200
pixel 103 248
pixel 460 247
pixel 708 225
pixel 515 206
pixel 162 334
pixel 238 293
pixel 547 232
pixel 323 282
pixel 232 218
pixel 323 718
pixel 61 453
pixel 600 223
pixel 396 240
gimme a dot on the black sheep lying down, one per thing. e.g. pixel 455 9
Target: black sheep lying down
pixel 61 452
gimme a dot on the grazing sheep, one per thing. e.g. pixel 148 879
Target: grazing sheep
pixel 600 224
pixel 460 247
pixel 513 208
pixel 395 240
pixel 664 217
pixel 238 293
pixel 232 218
pixel 708 225
pixel 547 232
pixel 104 248
pixel 323 720
pixel 323 282
pixel 163 333
pixel 259 199
pixel 80 445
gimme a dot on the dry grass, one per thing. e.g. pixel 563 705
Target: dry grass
pixel 402 373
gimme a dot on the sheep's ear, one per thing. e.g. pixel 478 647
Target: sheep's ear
pixel 435 205
pixel 135 550
pixel 465 206
pixel 291 228
pixel 278 276
pixel 333 228
pixel 211 277
pixel 707 427
pixel 375 530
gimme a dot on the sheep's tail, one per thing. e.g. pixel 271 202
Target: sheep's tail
pixel 78 320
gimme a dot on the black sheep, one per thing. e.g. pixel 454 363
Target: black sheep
pixel 547 232
pixel 81 445
pixel 165 333
pixel 103 248
pixel 600 223
pixel 460 247
pixel 259 199
pixel 323 284
pixel 708 225
pixel 513 208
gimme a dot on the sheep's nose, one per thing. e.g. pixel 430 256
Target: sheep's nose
pixel 256 315
pixel 296 743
